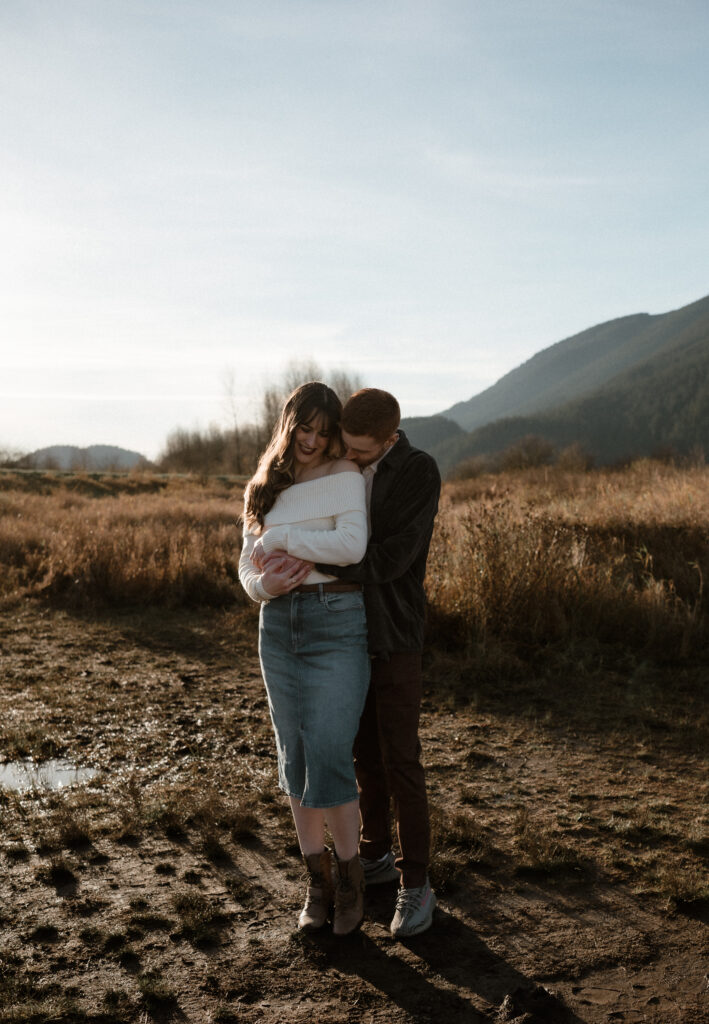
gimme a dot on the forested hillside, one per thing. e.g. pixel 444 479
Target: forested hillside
pixel 582 364
pixel 660 406
pixel 631 387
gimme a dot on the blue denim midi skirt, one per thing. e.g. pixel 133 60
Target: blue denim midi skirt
pixel 315 664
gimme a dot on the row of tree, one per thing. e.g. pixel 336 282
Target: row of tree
pixel 235 449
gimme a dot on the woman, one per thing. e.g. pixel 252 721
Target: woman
pixel 305 504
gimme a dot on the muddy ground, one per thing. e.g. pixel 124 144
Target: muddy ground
pixel 571 842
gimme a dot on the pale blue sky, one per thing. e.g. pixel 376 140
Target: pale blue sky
pixel 422 193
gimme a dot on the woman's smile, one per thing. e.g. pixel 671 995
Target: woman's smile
pixel 311 441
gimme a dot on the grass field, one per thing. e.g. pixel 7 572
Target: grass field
pixel 565 733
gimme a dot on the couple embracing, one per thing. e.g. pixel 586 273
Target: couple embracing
pixel 337 525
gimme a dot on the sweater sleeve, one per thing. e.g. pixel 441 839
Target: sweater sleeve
pixel 344 544
pixel 341 546
pixel 249 575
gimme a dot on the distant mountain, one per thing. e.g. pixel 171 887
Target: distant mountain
pixel 627 388
pixel 96 457
pixel 580 365
pixel 428 431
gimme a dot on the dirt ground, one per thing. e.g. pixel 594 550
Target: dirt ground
pixel 570 822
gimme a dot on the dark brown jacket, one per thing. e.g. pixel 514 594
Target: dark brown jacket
pixel 405 493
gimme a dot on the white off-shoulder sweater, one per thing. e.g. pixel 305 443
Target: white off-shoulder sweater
pixel 320 520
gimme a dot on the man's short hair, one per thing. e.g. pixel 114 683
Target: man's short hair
pixel 371 412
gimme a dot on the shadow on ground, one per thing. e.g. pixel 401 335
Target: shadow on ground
pixel 444 974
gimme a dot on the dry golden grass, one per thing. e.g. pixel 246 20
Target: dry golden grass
pixel 80 546
pixel 548 557
pixel 519 560
pixel 645 492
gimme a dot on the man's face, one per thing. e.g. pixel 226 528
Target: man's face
pixel 363 449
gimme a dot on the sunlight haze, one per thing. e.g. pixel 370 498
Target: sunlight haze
pixel 424 194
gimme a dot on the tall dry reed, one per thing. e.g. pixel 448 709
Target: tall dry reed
pixel 548 556
pixel 176 547
pixel 524 560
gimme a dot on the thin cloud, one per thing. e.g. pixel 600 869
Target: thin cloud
pixel 502 177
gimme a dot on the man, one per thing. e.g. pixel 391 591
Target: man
pixel 403 486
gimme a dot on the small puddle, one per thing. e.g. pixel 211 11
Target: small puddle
pixel 51 774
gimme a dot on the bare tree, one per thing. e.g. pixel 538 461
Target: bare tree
pixel 236 448
pixel 230 397
pixel 295 374
pixel 9 457
pixel 529 451
pixel 344 384
pixel 275 393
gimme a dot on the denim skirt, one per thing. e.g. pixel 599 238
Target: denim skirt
pixel 315 664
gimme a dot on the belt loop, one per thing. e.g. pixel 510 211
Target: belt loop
pixel 321 593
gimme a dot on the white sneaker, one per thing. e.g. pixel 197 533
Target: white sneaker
pixel 414 911
pixel 380 870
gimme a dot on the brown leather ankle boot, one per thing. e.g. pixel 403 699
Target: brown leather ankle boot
pixel 349 896
pixel 319 896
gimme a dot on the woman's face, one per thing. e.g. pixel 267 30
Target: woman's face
pixel 311 441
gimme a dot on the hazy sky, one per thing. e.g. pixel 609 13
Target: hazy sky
pixel 422 193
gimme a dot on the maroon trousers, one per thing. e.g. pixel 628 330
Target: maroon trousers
pixel 387 758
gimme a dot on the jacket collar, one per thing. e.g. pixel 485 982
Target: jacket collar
pixel 396 455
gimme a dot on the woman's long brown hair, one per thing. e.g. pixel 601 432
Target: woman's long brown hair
pixel 275 470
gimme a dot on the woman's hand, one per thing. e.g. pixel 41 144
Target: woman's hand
pixel 282 573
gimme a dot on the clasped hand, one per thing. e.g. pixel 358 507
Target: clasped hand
pixel 280 572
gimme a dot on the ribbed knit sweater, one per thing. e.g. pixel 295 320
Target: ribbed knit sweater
pixel 319 520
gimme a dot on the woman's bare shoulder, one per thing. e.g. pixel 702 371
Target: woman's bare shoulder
pixel 344 466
